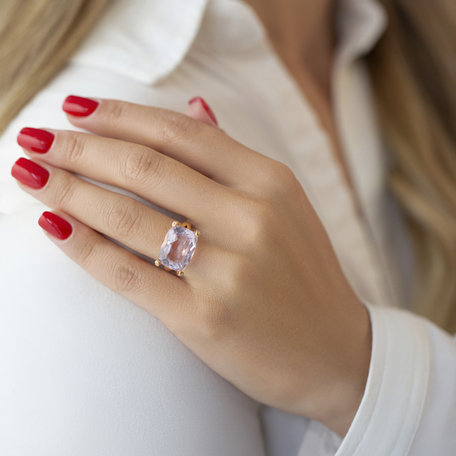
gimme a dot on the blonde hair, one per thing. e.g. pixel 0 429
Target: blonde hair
pixel 36 39
pixel 413 75
pixel 413 71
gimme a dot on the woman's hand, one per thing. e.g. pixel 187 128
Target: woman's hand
pixel 263 301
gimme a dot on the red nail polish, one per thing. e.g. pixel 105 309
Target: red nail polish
pixel 206 108
pixel 79 106
pixel 35 139
pixel 30 173
pixel 55 225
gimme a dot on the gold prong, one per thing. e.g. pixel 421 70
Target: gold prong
pixel 175 223
pixel 187 225
pixel 180 273
pixel 157 263
pixel 198 232
pixel 166 269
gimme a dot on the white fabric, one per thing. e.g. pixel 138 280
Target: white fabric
pixel 83 371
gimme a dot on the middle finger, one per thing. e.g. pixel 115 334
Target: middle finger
pixel 155 177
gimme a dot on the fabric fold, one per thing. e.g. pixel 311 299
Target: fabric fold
pixel 396 389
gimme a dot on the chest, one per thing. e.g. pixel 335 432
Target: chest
pixel 334 151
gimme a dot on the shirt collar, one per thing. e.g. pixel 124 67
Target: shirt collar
pixel 147 39
pixel 142 39
pixel 360 24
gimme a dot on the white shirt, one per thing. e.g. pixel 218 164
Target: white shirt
pixel 83 371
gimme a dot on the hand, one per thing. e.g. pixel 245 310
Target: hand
pixel 263 302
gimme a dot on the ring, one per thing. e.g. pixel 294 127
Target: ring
pixel 178 247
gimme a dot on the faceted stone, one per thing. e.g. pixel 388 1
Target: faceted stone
pixel 178 248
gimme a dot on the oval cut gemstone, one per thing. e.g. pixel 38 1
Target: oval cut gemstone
pixel 178 248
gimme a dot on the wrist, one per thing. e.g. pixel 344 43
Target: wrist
pixel 341 393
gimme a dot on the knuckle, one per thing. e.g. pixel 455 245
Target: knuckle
pixel 74 145
pixel 285 177
pixel 141 164
pixel 277 179
pixel 114 111
pixel 237 271
pixel 127 278
pixel 64 193
pixel 86 254
pixel 258 222
pixel 215 319
pixel 121 218
pixel 177 126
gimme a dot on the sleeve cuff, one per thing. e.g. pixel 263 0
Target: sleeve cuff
pixel 392 405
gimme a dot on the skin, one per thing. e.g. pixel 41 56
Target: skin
pixel 263 302
pixel 303 35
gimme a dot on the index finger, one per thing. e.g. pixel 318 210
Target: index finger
pixel 202 147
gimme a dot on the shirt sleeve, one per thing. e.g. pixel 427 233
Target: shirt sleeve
pixel 409 403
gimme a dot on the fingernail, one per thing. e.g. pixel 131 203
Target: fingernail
pixel 79 106
pixel 55 225
pixel 30 173
pixel 206 108
pixel 35 139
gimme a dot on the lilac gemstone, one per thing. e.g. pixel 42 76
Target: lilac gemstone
pixel 178 248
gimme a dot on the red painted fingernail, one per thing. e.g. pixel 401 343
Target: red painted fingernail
pixel 55 225
pixel 30 173
pixel 79 106
pixel 206 108
pixel 35 139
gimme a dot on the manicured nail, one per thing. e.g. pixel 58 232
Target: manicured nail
pixel 206 108
pixel 35 139
pixel 30 173
pixel 79 106
pixel 55 225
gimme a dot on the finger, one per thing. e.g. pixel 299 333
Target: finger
pixel 159 292
pixel 198 109
pixel 157 178
pixel 194 143
pixel 117 216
